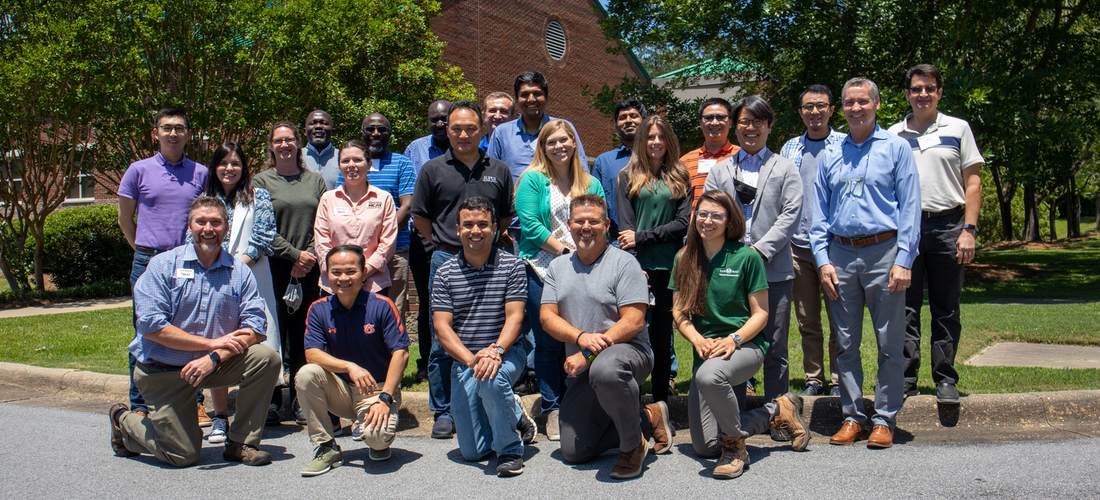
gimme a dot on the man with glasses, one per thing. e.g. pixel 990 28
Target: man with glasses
pixel 768 189
pixel 320 155
pixel 815 108
pixel 498 110
pixel 951 195
pixel 715 117
pixel 159 190
pixel 865 234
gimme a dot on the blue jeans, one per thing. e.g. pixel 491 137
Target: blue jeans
pixel 439 362
pixel 549 352
pixel 137 402
pixel 485 413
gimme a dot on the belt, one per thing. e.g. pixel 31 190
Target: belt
pixel 166 366
pixel 945 213
pixel 447 248
pixel 869 240
pixel 146 250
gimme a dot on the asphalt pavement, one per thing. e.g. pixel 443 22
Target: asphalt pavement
pixel 52 453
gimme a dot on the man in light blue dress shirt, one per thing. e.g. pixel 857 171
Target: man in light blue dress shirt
pixel 320 155
pixel 200 323
pixel 865 234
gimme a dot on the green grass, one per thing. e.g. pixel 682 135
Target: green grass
pixel 93 341
pixel 1087 224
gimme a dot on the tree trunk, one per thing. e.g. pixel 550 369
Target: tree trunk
pixel 1052 216
pixel 1096 199
pixel 38 227
pixel 1073 210
pixel 1005 192
pixel 13 283
pixel 1031 213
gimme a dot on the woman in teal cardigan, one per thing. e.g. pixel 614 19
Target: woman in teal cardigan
pixel 543 194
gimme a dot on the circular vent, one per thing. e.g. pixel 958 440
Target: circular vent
pixel 555 40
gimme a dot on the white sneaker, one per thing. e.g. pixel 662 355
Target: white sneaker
pixel 217 430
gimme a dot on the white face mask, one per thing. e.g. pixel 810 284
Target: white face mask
pixel 293 297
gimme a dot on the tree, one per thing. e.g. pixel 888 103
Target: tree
pixel 682 115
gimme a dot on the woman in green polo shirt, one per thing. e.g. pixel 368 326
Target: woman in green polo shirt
pixel 654 200
pixel 720 305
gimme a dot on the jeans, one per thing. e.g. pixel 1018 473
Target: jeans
pixel 483 412
pixel 137 402
pixel 936 265
pixel 439 362
pixel 549 352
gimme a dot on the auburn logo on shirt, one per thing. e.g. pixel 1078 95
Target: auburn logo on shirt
pixel 368 328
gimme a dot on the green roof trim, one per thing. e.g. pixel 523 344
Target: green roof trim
pixel 709 67
pixel 629 52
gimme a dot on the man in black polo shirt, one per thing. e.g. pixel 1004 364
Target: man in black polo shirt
pixel 444 182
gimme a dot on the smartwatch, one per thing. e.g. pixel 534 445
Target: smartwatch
pixel 215 357
pixel 385 398
pixel 970 226
pixel 588 354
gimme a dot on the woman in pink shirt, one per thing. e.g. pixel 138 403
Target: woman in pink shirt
pixel 357 213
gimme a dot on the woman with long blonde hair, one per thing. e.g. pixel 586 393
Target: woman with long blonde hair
pixel 654 201
pixel 555 176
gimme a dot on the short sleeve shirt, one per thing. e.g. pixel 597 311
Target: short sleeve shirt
pixel 163 193
pixel 445 182
pixel 476 296
pixel 699 162
pixel 367 334
pixel 941 153
pixel 737 271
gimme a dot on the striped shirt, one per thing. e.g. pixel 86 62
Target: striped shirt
pixel 476 296
pixel 692 159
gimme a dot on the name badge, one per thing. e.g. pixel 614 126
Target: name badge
pixel 185 274
pixel 706 165
pixel 343 211
pixel 928 141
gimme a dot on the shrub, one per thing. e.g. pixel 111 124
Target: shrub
pixel 84 245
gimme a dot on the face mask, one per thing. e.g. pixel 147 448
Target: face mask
pixel 293 295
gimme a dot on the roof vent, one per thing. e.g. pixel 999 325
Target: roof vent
pixel 555 40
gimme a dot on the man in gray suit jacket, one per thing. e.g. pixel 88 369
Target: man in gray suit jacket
pixel 769 190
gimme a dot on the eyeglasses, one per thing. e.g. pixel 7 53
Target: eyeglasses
pixel 592 223
pixel 380 130
pixel 745 122
pixel 285 140
pixel 713 216
pixel 810 106
pixel 168 129
pixel 715 118
pixel 917 89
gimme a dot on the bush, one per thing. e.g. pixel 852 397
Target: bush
pixel 99 290
pixel 83 245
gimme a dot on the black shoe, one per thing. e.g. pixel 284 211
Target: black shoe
pixel 299 415
pixel 812 389
pixel 245 453
pixel 444 428
pixel 116 431
pixel 526 425
pixel 947 394
pixel 421 377
pixel 273 417
pixel 509 465
pixel 911 390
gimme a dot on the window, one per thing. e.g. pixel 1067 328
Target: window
pixel 11 178
pixel 84 188
pixel 555 40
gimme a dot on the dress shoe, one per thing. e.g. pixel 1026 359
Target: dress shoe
pixel 881 437
pixel 947 394
pixel 849 433
pixel 910 390
pixel 245 453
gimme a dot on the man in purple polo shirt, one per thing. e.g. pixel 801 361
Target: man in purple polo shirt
pixel 159 191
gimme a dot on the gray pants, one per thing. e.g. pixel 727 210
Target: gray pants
pixel 171 432
pixel 777 372
pixel 601 409
pixel 864 275
pixel 712 406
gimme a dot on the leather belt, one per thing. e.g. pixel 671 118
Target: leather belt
pixel 447 248
pixel 945 213
pixel 166 366
pixel 869 240
pixel 146 250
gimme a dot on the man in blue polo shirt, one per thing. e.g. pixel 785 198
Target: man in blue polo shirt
pixel 357 349
pixel 628 116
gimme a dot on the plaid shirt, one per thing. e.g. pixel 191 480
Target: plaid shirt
pixel 792 150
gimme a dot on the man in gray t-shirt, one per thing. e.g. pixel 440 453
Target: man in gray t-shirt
pixel 594 301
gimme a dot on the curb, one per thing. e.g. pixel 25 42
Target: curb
pixel 980 417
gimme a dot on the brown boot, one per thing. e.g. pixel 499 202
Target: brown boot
pixel 789 418
pixel 662 431
pixel 629 465
pixel 734 459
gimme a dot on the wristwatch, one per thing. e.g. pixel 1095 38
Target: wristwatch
pixel 500 350
pixel 970 226
pixel 737 339
pixel 385 398
pixel 588 354
pixel 215 357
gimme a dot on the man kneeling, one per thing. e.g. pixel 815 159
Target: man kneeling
pixel 594 300
pixel 477 307
pixel 357 349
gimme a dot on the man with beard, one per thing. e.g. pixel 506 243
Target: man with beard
pixel 628 115
pixel 320 156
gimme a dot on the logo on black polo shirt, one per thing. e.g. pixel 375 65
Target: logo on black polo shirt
pixel 374 204
pixel 488 178
pixel 368 328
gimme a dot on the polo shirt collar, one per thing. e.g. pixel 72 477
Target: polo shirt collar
pixel 622 149
pixel 324 152
pixel 432 144
pixel 494 259
pixel 940 121
pixel 450 158
pixel 360 301
pixel 224 259
pixel 726 150
pixel 164 161
pixel 522 131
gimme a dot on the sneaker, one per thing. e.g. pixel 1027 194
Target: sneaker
pixel 812 389
pixel 115 413
pixel 356 430
pixel 629 465
pixel 662 431
pixel 834 390
pixel 337 425
pixel 509 465
pixel 734 459
pixel 299 415
pixel 273 417
pixel 245 453
pixel 218 428
pixel 328 457
pixel 947 394
pixel 750 387
pixel 526 425
pixel 672 388
pixel 444 428
pixel 552 431
pixel 379 455
pixel 911 390
pixel 204 419
pixel 789 420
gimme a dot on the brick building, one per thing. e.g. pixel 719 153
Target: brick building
pixel 495 40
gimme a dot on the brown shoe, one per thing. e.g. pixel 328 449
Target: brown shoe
pixel 117 444
pixel 245 453
pixel 734 459
pixel 849 433
pixel 881 437
pixel 629 465
pixel 662 431
pixel 789 419
pixel 204 419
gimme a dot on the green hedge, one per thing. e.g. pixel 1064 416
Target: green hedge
pixel 83 245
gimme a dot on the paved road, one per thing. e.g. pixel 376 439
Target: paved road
pixel 51 453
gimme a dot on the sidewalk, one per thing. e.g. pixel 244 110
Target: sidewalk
pixel 67 307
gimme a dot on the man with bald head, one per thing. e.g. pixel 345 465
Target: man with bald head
pixel 320 156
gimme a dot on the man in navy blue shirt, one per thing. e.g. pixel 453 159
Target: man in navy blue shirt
pixel 628 115
pixel 357 349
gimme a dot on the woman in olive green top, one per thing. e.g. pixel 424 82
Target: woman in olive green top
pixel 720 306
pixel 654 200
pixel 295 194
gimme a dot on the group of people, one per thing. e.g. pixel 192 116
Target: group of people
pixel 528 261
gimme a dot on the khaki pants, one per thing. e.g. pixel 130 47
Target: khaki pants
pixel 807 308
pixel 171 433
pixel 399 276
pixel 321 392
